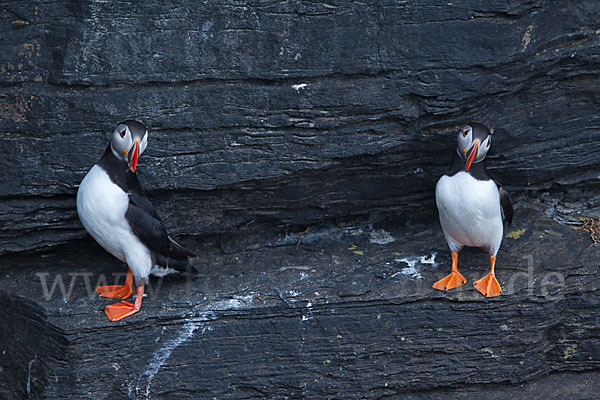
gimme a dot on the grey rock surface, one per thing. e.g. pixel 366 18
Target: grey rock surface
pixel 293 112
pixel 326 314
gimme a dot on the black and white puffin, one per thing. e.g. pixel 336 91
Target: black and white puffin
pixel 472 207
pixel 117 214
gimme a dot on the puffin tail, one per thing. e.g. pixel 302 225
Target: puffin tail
pixel 181 250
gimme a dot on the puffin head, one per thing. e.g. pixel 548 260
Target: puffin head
pixel 129 140
pixel 474 141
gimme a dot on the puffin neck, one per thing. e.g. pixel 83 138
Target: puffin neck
pixel 478 169
pixel 118 171
pixel 110 157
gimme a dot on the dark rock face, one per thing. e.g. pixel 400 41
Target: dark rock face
pixel 293 112
pixel 335 313
pixel 269 118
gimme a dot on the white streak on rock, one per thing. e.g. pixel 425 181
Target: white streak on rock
pixel 235 303
pixel 160 356
pixel 299 86
pixel 29 375
pixel 413 265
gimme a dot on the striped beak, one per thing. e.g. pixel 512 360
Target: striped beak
pixel 473 154
pixel 133 159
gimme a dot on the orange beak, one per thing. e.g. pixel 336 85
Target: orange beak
pixel 472 156
pixel 134 157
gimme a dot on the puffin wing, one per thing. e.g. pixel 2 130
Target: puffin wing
pixel 506 205
pixel 149 228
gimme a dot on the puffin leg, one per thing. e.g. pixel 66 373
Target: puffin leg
pixel 455 279
pixel 117 291
pixel 118 311
pixel 488 285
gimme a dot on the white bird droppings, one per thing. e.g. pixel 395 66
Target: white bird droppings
pixel 160 356
pixel 414 263
pixel 299 86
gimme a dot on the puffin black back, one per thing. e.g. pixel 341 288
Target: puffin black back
pixel 143 217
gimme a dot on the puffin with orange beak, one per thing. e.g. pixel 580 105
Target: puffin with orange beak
pixel 114 210
pixel 472 207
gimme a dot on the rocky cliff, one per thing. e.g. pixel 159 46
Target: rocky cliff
pixel 290 142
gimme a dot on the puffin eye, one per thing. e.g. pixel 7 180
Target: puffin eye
pixel 122 133
pixel 465 132
pixel 489 142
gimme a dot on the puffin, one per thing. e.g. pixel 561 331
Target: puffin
pixel 472 207
pixel 115 211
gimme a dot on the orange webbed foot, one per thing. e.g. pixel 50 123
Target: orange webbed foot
pixel 455 279
pixel 488 286
pixel 117 291
pixel 118 311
